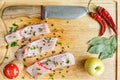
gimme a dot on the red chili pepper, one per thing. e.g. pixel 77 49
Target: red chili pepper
pixel 106 15
pixel 101 21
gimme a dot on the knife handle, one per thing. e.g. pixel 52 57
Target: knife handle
pixel 42 12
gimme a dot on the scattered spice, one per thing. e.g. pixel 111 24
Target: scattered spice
pixel 68 66
pixel 24 59
pixel 59 36
pixel 67 21
pixel 25 66
pixel 52 24
pixel 37 59
pixel 7 46
pixel 66 71
pixel 53 33
pixel 53 52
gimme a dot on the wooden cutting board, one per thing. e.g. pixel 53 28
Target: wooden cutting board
pixel 73 34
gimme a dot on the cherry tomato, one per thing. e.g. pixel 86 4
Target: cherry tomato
pixel 11 71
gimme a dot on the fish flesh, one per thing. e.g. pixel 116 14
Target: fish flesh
pixel 36 47
pixel 27 32
pixel 45 66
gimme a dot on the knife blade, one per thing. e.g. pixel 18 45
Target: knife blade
pixel 44 12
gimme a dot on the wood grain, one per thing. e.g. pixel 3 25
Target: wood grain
pixel 76 34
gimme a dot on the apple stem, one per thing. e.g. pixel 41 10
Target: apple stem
pixel 99 55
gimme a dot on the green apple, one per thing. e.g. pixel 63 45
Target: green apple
pixel 94 66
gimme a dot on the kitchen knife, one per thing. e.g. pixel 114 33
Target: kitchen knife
pixel 62 12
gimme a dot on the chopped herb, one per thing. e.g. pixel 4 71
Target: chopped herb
pixel 11 29
pixel 21 20
pixel 14 24
pixel 46 62
pixel 6 57
pixel 30 23
pixel 22 52
pixel 34 33
pixel 59 43
pixel 67 61
pixel 24 59
pixel 25 65
pixel 53 70
pixel 55 30
pixel 68 46
pixel 61 69
pixel 40 49
pixel 47 40
pixel 39 73
pixel 55 63
pixel 51 76
pixel 23 77
pixel 62 50
pixel 63 76
pixel 40 29
pixel 13 44
pixel 7 46
pixel 32 48
pixel 37 68
pixel 40 55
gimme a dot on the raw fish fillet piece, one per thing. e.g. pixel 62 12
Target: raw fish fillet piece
pixel 27 32
pixel 45 66
pixel 37 47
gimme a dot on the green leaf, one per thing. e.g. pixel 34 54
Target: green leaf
pixel 96 49
pixel 97 40
pixel 103 46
